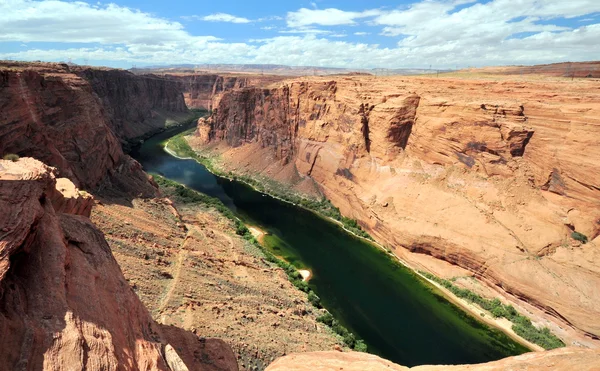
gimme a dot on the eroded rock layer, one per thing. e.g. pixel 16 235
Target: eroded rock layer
pixel 203 90
pixel 64 303
pixel 492 176
pixel 75 119
pixel 561 359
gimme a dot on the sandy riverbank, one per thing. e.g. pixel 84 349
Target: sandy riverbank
pixel 257 233
pixel 306 274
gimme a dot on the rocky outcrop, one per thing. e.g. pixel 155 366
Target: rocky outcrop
pixel 75 119
pixel 64 303
pixel 561 359
pixel 490 176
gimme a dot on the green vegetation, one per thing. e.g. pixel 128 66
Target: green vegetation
pixel 349 339
pixel 579 237
pixel 522 325
pixel 11 157
pixel 179 145
pixel 186 195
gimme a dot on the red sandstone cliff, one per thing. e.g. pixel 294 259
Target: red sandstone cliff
pixel 73 119
pixel 203 90
pixel 560 359
pixel 64 303
pixel 135 104
pixel 492 176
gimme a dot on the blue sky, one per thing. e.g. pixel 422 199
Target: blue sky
pixel 353 34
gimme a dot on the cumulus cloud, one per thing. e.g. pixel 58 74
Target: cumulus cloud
pixel 61 21
pixel 431 23
pixel 444 33
pixel 326 17
pixel 224 17
pixel 313 31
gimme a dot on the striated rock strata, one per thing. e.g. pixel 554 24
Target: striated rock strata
pixel 135 104
pixel 203 90
pixel 492 176
pixel 75 119
pixel 64 303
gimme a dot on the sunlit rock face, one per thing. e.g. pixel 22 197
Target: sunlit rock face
pixel 64 303
pixel 491 176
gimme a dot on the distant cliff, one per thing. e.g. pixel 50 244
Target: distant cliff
pixel 203 91
pixel 135 104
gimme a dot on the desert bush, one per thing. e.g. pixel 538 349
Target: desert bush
pixel 576 236
pixel 11 157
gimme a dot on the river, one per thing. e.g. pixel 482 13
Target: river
pixel 400 316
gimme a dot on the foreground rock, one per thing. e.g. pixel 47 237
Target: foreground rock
pixel 560 359
pixel 490 176
pixel 64 303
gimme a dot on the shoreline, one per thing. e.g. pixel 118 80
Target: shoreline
pixel 469 308
pixel 306 274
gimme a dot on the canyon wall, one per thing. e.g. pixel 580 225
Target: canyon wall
pixel 203 91
pixel 492 176
pixel 76 119
pixel 135 104
pixel 64 303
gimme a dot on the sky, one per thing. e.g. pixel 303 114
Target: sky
pixel 350 33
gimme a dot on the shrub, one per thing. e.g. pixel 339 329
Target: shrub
pixel 360 346
pixel 326 318
pixel 314 299
pixel 11 157
pixel 576 236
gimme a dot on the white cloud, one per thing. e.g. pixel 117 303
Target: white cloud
pixel 434 25
pixel 60 21
pixel 271 18
pixel 326 17
pixel 224 17
pixel 362 33
pixel 312 31
pixel 428 32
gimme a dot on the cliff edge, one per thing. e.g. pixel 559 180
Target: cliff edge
pixel 64 302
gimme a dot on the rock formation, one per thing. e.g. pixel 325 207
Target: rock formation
pixel 492 176
pixel 135 104
pixel 64 303
pixel 203 91
pixel 560 359
pixel 74 119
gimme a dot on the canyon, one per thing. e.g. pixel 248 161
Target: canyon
pixel 478 177
pixel 488 174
